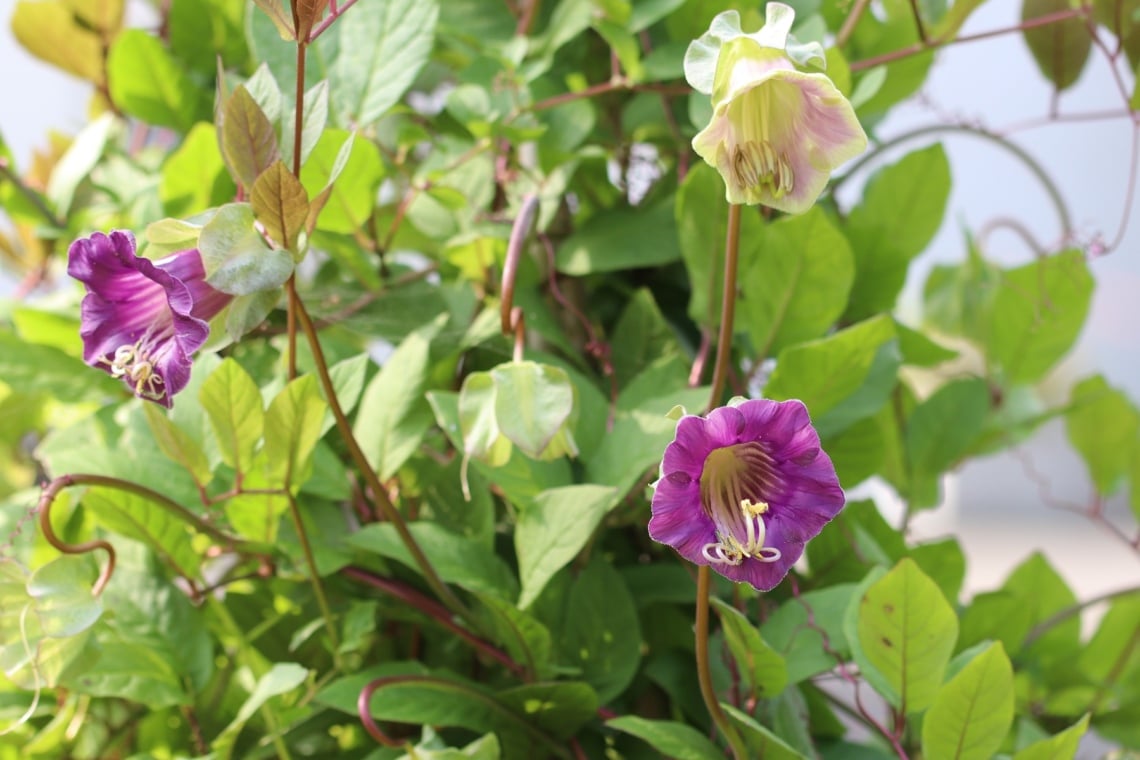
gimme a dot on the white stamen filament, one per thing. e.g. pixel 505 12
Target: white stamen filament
pixel 728 550
pixel 133 362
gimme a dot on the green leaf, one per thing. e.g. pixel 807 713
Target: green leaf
pixel 314 117
pixel 38 652
pixel 233 403
pixel 292 428
pixel 759 740
pixel 798 282
pixel 146 82
pixel 525 639
pixel 763 670
pixel 533 403
pixel 907 631
pixel 30 368
pixel 622 239
pixel 1036 315
pixel 194 176
pixel 973 711
pixel 1103 427
pixel 902 209
pixel 455 558
pixel 919 350
pixel 236 259
pixel 641 337
pixel 601 634
pixel 857 539
pixel 248 138
pixel 842 378
pixel 280 679
pixel 1060 48
pixel 1113 653
pixel 702 223
pixel 135 517
pixel 76 164
pixel 381 52
pixel 178 445
pixel 944 562
pixel 857 452
pixel 671 739
pixel 1041 593
pixel 942 428
pixel 553 529
pixel 347 173
pixel 1062 746
pixel 280 203
pixel 558 708
pixel 247 312
pixel 393 414
pixel 441 700
pixel 642 427
pixel 51 32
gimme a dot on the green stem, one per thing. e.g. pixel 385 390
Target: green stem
pixel 314 576
pixel 704 676
pixel 727 305
pixel 256 667
pixel 1037 170
pixel 379 493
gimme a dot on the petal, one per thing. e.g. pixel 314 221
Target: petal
pixel 765 576
pixel 775 422
pixel 726 426
pixel 678 519
pixel 690 447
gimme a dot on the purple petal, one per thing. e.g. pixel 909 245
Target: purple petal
pixel 678 519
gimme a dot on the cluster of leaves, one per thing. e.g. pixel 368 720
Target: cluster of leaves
pixel 262 585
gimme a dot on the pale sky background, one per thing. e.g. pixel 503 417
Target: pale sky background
pixel 993 505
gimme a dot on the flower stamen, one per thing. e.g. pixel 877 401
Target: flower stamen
pixel 133 362
pixel 756 164
pixel 727 550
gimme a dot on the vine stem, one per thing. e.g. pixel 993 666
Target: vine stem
pixel 720 372
pixel 314 576
pixel 436 612
pixel 928 45
pixel 704 676
pixel 53 489
pixel 379 494
pixel 727 306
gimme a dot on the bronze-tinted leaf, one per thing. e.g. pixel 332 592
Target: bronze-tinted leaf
pixel 280 17
pixel 249 142
pixel 307 13
pixel 1060 48
pixel 280 204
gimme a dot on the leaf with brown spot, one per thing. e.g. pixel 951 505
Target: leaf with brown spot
pixel 280 204
pixel 249 142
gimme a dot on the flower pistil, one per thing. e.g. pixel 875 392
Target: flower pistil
pixel 731 476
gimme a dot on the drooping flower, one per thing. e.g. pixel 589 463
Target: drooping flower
pixel 777 132
pixel 141 320
pixel 744 489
